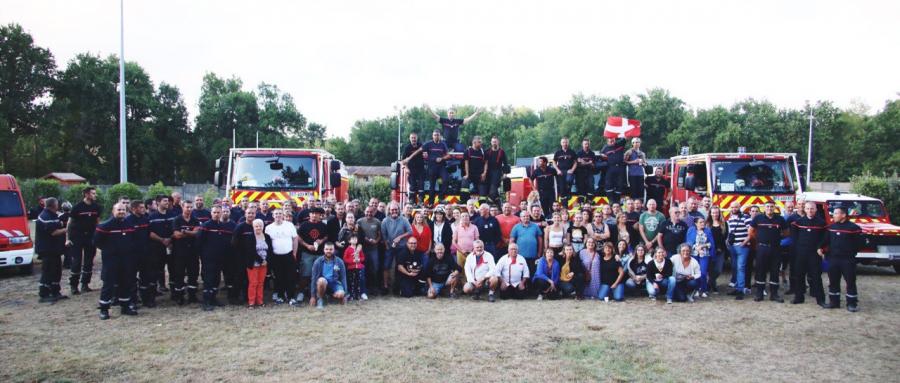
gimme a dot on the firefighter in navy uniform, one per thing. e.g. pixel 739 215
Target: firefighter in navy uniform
pixel 497 165
pixel 160 246
pixel 214 242
pixel 843 240
pixel 146 266
pixel 235 266
pixel 436 154
pixel 82 220
pixel 768 229
pixel 808 232
pixel 201 213
pixel 542 179
pixel 614 179
pixel 185 259
pixel 415 163
pixel 50 244
pixel 115 238
pixel 584 172
pixel 564 163
pixel 476 170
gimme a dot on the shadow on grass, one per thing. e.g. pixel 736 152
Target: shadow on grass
pixel 612 361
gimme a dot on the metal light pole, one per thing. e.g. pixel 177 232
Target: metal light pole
pixel 123 154
pixel 809 149
pixel 399 131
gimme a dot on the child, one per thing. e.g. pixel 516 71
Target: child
pixel 356 273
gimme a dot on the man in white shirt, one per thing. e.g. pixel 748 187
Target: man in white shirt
pixel 284 263
pixel 512 272
pixel 479 271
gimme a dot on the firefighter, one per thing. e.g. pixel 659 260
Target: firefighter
pixel 201 213
pixel 214 243
pixel 497 165
pixel 160 246
pixel 584 173
pixel 614 154
pixel 80 230
pixel 235 266
pixel 542 179
pixel 476 169
pixel 415 163
pixel 450 125
pixel 564 163
pixel 146 263
pixel 115 238
pixel 808 232
pixel 50 244
pixel 184 255
pixel 437 152
pixel 635 160
pixel 768 229
pixel 843 241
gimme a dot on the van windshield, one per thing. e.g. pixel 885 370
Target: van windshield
pixel 10 204
pixel 271 172
pixel 859 209
pixel 752 176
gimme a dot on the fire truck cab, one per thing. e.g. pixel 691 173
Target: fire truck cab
pixel 278 175
pixel 882 246
pixel 747 178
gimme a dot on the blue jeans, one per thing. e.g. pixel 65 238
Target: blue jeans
pixel 704 273
pixel 685 287
pixel 618 293
pixel 739 256
pixel 665 283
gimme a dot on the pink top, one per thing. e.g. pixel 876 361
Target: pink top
pixel 465 236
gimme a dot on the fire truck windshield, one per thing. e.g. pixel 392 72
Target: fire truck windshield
pixel 274 172
pixel 752 176
pixel 859 209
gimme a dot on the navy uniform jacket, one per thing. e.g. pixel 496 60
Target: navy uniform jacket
pixel 808 233
pixel 242 238
pixel 185 245
pixel 544 179
pixel 416 164
pixel 84 220
pixel 615 153
pixel 843 239
pixel 433 151
pixel 768 230
pixel 141 226
pixel 236 214
pixel 488 229
pixel 214 239
pixel 115 238
pixel 44 242
pixel 161 224
pixel 201 215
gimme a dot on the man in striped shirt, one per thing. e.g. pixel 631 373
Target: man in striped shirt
pixel 739 247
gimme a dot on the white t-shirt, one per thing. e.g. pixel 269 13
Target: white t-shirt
pixel 282 237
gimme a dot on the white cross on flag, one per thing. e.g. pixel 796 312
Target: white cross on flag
pixel 621 127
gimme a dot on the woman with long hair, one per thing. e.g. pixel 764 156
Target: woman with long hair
pixel 590 259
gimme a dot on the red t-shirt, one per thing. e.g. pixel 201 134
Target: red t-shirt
pixel 348 259
pixel 506 226
pixel 424 238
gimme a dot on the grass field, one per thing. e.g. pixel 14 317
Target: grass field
pixel 394 339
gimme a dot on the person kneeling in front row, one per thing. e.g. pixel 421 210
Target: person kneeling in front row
pixel 513 273
pixel 329 276
pixel 479 268
pixel 546 276
pixel 659 276
pixel 687 274
pixel 441 271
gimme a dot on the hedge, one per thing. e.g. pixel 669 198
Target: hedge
pixel 379 187
pixel 886 189
pixel 32 189
pixel 157 189
pixel 128 189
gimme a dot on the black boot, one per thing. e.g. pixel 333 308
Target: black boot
pixel 774 296
pixel 852 304
pixel 207 302
pixel 799 297
pixel 148 297
pixel 104 311
pixel 834 301
pixel 128 310
pixel 74 289
pixel 178 297
pixel 760 288
pixel 85 288
pixel 821 302
pixel 192 296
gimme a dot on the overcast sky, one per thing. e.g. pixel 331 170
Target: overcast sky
pixel 349 60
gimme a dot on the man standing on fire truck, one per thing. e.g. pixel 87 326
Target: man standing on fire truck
pixel 415 163
pixel 476 169
pixel 614 154
pixel 437 153
pixel 450 125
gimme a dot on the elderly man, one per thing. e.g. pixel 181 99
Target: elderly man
pixel 410 264
pixel 527 236
pixel 441 271
pixel 479 271
pixel 512 272
pixel 395 229
pixel 114 238
pixel 49 244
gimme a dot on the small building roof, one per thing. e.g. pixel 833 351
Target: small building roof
pixel 65 177
pixel 369 171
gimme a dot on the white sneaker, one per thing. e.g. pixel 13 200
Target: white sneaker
pixel 730 284
pixel 540 297
pixel 668 301
pixel 293 302
pixel 364 297
pixel 696 294
pixel 300 297
pixel 275 297
pixel 704 295
pixel 690 298
pixel 653 298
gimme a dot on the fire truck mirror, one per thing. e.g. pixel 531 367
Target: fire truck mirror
pixel 335 180
pixel 335 165
pixel 507 184
pixel 220 162
pixel 395 167
pixel 689 182
pixel 217 178
pixel 394 176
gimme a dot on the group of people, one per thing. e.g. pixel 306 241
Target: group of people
pixel 345 251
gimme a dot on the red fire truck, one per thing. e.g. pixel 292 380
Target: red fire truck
pixel 882 245
pixel 279 175
pixel 748 178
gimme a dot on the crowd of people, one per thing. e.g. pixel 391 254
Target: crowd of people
pixel 321 251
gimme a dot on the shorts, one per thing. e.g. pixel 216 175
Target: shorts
pixel 306 264
pixel 334 287
pixel 437 287
pixel 388 262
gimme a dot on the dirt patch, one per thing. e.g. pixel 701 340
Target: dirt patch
pixel 412 340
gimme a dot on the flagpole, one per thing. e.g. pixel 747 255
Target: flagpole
pixel 809 149
pixel 123 155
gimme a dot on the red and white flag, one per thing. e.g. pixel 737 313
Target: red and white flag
pixel 621 127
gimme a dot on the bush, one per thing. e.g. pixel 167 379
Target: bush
pixel 157 189
pixel 209 195
pixel 32 189
pixel 128 189
pixel 886 189
pixel 380 188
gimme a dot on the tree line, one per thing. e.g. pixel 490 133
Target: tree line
pixel 67 119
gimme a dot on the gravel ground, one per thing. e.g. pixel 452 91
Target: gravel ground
pixel 395 339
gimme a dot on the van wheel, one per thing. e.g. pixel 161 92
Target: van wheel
pixel 27 269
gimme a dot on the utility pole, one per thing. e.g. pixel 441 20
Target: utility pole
pixel 809 149
pixel 123 150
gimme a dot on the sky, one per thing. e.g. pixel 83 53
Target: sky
pixel 348 60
